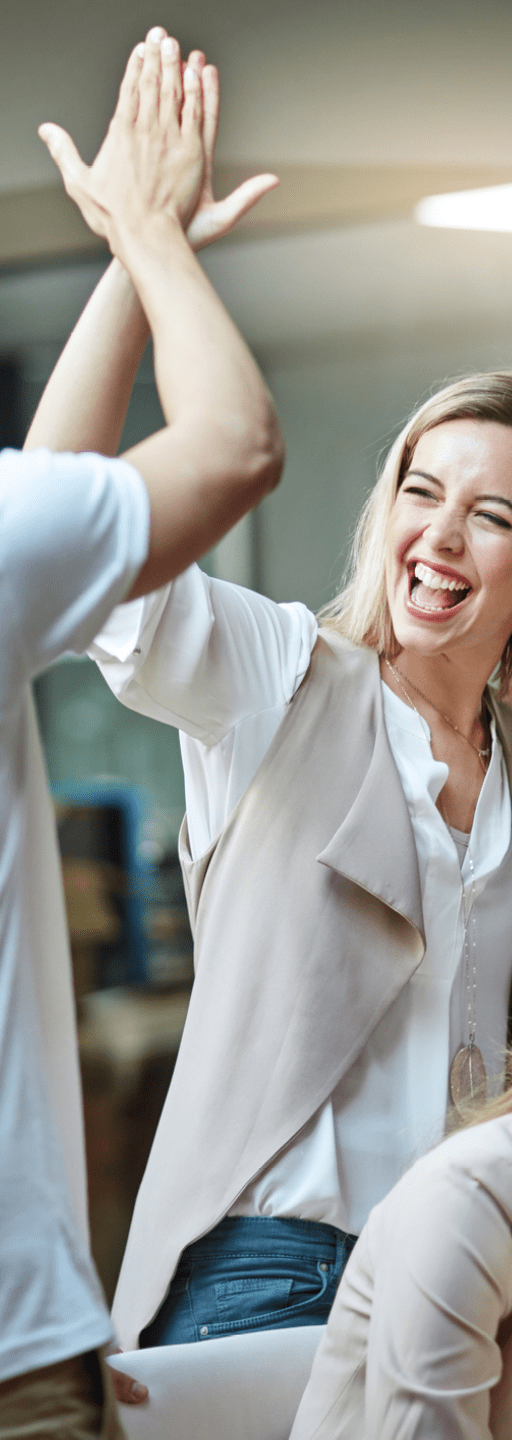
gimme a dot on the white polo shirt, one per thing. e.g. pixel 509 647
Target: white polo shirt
pixel 73 535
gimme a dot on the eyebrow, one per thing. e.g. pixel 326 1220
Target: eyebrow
pixel 424 475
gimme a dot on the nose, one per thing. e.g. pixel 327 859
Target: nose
pixel 445 530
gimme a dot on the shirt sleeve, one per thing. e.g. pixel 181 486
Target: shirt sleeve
pixel 443 1282
pixel 411 1345
pixel 74 533
pixel 204 654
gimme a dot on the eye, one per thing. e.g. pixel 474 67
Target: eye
pixel 496 519
pixel 419 490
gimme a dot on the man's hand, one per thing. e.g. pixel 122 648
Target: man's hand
pixel 160 105
pixel 151 162
pixel 127 1390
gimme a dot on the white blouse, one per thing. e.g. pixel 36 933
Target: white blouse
pixel 413 1341
pixel 223 663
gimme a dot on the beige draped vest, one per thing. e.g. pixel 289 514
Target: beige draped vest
pixel 308 921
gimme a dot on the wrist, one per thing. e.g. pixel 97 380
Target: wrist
pixel 155 235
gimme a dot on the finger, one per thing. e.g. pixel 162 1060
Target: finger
pixel 149 83
pixel 128 102
pixel 217 220
pixel 211 102
pixel 171 92
pixel 244 197
pixel 197 60
pixel 192 112
pixel 128 1390
pixel 64 152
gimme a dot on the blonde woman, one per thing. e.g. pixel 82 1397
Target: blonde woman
pixel 419 1339
pixel 349 868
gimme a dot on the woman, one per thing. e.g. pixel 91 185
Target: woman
pixel 348 864
pixel 419 1337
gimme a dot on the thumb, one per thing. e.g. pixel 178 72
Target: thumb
pixel 230 210
pixel 218 218
pixel 63 151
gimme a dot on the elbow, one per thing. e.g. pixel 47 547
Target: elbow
pixel 267 454
pixel 276 453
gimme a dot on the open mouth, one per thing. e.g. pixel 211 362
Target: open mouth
pixel 434 592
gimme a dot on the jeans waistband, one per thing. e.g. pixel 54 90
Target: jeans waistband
pixel 263 1233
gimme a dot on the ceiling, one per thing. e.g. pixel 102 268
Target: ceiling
pixel 338 81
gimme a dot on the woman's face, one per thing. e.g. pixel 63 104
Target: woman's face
pixel 449 542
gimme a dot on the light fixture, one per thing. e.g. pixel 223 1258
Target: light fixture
pixel 487 209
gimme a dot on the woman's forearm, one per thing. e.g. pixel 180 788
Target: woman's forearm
pixel 85 401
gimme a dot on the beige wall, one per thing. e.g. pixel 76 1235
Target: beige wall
pixel 337 80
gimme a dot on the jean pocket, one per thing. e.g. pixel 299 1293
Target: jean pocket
pixel 251 1296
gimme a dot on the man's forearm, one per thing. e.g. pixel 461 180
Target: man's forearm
pixel 221 449
pixel 202 364
pixel 85 401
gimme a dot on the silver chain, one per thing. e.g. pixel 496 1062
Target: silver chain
pixel 471 983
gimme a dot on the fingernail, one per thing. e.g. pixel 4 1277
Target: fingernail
pixel 141 50
pixel 190 77
pixel 169 47
pixel 156 34
pixel 139 1391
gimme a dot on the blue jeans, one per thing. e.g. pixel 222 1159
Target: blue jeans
pixel 251 1273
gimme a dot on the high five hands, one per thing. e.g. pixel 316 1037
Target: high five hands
pixel 154 171
pixel 157 156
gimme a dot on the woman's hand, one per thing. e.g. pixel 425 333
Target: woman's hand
pixel 212 218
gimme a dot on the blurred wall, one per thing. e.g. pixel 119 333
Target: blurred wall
pixel 352 328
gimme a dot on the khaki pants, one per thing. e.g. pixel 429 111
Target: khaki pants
pixel 72 1400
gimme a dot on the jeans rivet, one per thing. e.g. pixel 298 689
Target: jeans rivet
pixel 203 1330
pixel 324 1265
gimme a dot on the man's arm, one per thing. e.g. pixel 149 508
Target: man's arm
pixel 221 449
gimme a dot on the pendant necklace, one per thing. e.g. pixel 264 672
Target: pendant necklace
pixel 468 1076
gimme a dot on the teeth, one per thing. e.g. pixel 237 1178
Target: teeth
pixel 434 581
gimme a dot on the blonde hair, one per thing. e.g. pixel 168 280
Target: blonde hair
pixel 361 610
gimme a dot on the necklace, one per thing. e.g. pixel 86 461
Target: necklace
pixel 481 753
pixel 468 1076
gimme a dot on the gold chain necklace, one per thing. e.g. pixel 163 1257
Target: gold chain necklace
pixel 468 1076
pixel 481 753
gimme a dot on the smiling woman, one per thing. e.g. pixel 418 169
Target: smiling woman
pixel 348 862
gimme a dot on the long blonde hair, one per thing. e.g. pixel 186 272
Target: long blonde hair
pixel 361 610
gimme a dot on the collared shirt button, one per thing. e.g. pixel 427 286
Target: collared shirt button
pixel 203 1330
pixel 324 1265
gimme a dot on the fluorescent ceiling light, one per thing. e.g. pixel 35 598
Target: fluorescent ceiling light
pixel 486 209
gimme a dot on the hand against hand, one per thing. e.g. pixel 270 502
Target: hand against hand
pixel 151 162
pixel 212 218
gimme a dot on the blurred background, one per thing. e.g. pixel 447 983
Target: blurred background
pixel 354 311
